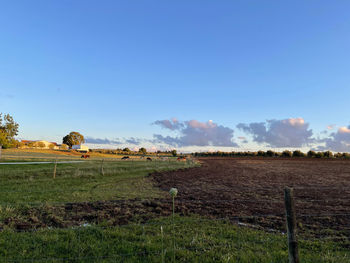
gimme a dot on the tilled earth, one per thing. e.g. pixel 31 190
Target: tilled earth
pixel 252 189
pixel 245 190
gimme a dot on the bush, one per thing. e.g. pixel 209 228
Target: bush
pixel 311 154
pixel 328 154
pixel 278 154
pixel 287 153
pixel 346 155
pixel 270 153
pixel 51 146
pixel 64 147
pixel 40 144
pixel 298 153
pixel 338 155
pixel 319 155
pixel 261 153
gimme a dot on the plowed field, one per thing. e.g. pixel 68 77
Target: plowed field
pixel 251 190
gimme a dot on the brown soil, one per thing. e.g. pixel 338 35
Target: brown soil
pixel 252 189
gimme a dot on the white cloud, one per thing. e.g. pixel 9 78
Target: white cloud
pixel 344 130
pixel 292 132
pixel 102 141
pixel 196 133
pixel 105 141
pixel 133 140
pixel 338 141
pixel 172 124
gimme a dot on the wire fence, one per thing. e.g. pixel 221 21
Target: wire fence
pixel 239 225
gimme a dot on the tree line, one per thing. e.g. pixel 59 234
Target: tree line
pixel 270 153
pixel 141 151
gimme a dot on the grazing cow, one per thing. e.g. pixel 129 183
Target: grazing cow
pixel 125 157
pixel 85 156
pixel 181 158
pixel 149 159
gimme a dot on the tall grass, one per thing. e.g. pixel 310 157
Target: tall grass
pixel 198 240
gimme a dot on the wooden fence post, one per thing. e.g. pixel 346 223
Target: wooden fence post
pixel 102 171
pixel 291 226
pixel 54 169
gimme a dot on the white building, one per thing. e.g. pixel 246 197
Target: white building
pixel 80 148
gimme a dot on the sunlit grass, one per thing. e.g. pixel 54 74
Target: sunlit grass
pixel 78 182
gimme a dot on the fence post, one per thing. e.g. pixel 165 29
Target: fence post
pixel 54 169
pixel 0 150
pixel 291 226
pixel 102 171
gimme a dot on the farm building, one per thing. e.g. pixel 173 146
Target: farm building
pixel 80 148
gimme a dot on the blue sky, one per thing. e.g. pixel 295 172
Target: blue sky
pixel 109 69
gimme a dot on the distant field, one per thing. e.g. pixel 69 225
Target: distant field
pixel 45 155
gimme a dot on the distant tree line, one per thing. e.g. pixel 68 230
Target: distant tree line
pixel 141 151
pixel 270 153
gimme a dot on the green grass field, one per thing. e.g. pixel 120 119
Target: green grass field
pixel 27 187
pixel 78 182
pixel 195 241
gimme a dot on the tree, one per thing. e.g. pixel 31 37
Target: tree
pixel 51 146
pixel 73 138
pixel 270 153
pixel 126 150
pixel 40 145
pixel 346 155
pixel 174 152
pixel 338 155
pixel 298 153
pixel 328 154
pixel 31 144
pixel 311 154
pixel 142 150
pixel 8 130
pixel 261 153
pixel 319 155
pixel 287 153
pixel 64 147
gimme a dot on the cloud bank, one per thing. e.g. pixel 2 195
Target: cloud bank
pixel 338 141
pixel 284 133
pixel 102 141
pixel 172 124
pixel 133 140
pixel 195 133
pixel 292 132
